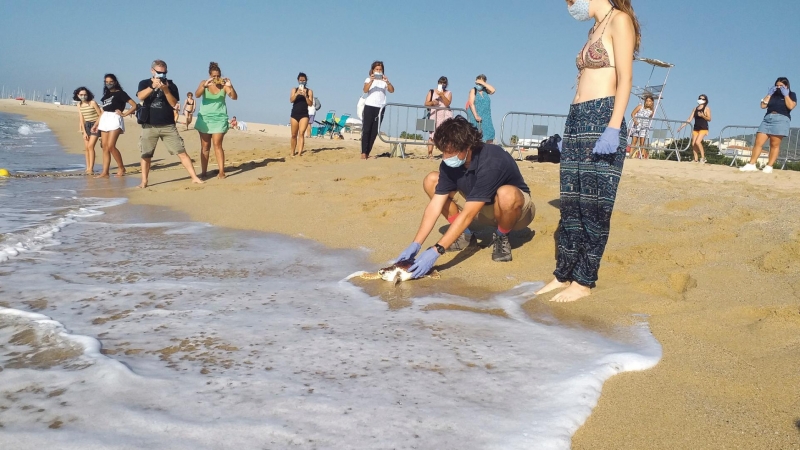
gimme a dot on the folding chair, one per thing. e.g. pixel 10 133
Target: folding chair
pixel 326 125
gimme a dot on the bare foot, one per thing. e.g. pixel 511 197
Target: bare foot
pixel 102 175
pixel 221 176
pixel 142 185
pixel 363 156
pixel 574 292
pixel 203 175
pixel 120 173
pixel 197 181
pixel 552 286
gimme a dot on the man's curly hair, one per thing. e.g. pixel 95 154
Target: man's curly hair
pixel 457 134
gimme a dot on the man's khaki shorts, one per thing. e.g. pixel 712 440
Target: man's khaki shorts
pixel 167 133
pixel 486 216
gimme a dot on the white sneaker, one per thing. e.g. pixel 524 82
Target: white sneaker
pixel 767 169
pixel 748 168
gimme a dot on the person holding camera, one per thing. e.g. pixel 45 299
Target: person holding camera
pixel 701 115
pixel 376 87
pixel 111 123
pixel 438 98
pixel 779 103
pixel 301 99
pixel 479 107
pixel 595 140
pixel 212 119
pixel 160 95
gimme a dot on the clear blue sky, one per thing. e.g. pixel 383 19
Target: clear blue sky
pixel 731 50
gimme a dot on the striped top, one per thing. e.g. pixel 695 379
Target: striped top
pixel 89 113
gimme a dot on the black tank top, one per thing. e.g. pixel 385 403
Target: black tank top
pixel 700 123
pixel 300 106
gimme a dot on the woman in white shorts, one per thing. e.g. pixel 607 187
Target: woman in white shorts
pixel 111 123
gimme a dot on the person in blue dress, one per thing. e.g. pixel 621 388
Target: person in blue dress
pixel 479 108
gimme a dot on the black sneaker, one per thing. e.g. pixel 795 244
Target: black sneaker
pixel 461 243
pixel 502 248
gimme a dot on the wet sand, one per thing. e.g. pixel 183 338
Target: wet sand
pixel 708 254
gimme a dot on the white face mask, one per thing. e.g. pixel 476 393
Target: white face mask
pixel 701 102
pixel 580 10
pixel 454 161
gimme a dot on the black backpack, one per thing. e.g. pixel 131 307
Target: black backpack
pixel 548 150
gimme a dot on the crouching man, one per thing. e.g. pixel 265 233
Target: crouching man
pixel 494 194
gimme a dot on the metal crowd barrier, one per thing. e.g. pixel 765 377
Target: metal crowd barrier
pixel 790 147
pixel 736 142
pixel 404 125
pixel 664 136
pixel 521 131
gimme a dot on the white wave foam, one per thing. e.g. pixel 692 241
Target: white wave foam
pixel 225 330
pixel 32 128
pixel 13 244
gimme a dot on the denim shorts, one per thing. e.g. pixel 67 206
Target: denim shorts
pixel 88 127
pixel 775 125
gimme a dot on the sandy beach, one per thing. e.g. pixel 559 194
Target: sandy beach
pixel 708 255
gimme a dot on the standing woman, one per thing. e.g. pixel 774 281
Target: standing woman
pixel 642 117
pixel 212 120
pixel 438 98
pixel 595 138
pixel 779 103
pixel 376 87
pixel 88 113
pixel 188 109
pixel 301 99
pixel 479 109
pixel 111 123
pixel 701 115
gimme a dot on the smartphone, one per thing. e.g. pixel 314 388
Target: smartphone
pixel 300 87
pixel 439 88
pixel 378 76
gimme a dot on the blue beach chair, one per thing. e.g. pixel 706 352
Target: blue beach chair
pixel 326 125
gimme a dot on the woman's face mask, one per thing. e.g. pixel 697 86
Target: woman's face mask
pixel 110 85
pixel 579 10
pixel 454 161
pixel 700 101
pixel 83 97
pixel 478 87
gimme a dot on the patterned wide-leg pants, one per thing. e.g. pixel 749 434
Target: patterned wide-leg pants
pixel 588 189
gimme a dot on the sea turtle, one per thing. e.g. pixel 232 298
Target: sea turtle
pixel 396 273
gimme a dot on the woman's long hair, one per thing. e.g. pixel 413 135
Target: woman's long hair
pixel 625 6
pixel 106 90
pixel 89 95
pixel 785 81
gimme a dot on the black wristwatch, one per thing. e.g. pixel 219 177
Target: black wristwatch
pixel 440 249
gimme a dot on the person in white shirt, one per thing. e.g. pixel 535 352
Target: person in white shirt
pixel 376 87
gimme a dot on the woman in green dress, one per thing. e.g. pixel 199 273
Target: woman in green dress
pixel 212 119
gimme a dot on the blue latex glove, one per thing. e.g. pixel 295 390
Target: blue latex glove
pixel 772 90
pixel 784 91
pixel 608 142
pixel 424 263
pixel 410 252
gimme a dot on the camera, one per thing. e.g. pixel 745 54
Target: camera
pixel 378 76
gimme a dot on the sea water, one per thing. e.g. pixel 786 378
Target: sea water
pixel 129 327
